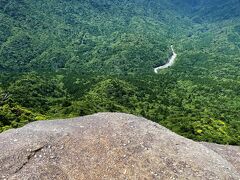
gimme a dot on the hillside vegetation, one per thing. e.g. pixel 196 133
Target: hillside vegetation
pixel 70 58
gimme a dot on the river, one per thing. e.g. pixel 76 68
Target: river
pixel 170 62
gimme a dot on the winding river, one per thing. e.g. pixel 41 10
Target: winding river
pixel 169 63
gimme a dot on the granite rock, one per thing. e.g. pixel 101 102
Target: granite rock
pixel 110 146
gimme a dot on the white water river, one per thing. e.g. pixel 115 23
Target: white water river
pixel 169 63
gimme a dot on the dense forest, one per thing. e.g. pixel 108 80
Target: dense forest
pixel 67 58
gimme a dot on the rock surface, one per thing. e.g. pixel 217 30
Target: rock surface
pixel 110 146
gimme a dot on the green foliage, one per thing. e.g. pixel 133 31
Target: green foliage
pixel 111 95
pixel 13 115
pixel 37 92
pixel 237 29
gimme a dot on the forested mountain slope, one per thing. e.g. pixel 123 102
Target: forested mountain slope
pixel 209 10
pixel 72 57
pixel 84 34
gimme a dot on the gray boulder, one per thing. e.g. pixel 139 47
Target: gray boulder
pixel 110 146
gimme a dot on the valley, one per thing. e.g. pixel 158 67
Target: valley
pixel 62 59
